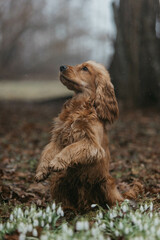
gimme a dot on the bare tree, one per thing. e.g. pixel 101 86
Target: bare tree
pixel 135 68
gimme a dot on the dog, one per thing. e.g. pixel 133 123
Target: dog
pixel 78 153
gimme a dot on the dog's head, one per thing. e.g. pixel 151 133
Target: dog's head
pixel 92 78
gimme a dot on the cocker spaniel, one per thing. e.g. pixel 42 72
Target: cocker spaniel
pixel 78 153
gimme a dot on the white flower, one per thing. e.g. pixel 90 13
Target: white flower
pixel 47 226
pixel 60 212
pixel 64 227
pixel 156 221
pixel 42 223
pixel 34 232
pixel 114 214
pixel 100 215
pixel 121 225
pixel 86 225
pixel 1 226
pixel 53 206
pixel 151 206
pixel 30 228
pixel 158 232
pixel 126 230
pixel 50 219
pixel 48 209
pixel 39 214
pixel 111 224
pixel 124 208
pixel 145 206
pixel 141 208
pixel 8 225
pixel 151 215
pixel 26 212
pixel 22 236
pixel 94 231
pixel 44 215
pixel 70 232
pixel 11 217
pixel 44 237
pixel 120 214
pixel 93 205
pixel 145 227
pixel 79 226
pixel 111 216
pixel 116 233
pixel 102 226
pixel 35 223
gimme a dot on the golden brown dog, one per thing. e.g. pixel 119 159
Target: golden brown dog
pixel 78 152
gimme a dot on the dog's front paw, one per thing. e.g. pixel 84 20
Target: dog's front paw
pixel 57 164
pixel 40 176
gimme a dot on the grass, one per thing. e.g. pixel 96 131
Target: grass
pixel 120 222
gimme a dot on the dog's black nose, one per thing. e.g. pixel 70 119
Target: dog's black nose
pixel 63 68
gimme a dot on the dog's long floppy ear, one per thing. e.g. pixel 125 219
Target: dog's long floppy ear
pixel 105 100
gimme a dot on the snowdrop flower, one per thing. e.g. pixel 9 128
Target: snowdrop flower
pixel 93 205
pixel 48 209
pixel 94 231
pixel 158 233
pixel 156 221
pixel 86 225
pixel 79 226
pixel 26 213
pixel 60 212
pixel 44 237
pixel 124 208
pixel 22 236
pixel 70 232
pixel 11 217
pixel 35 223
pixel 102 226
pixel 53 206
pixel 111 224
pixel 42 223
pixel 8 225
pixel 126 230
pixel 141 208
pixel 1 226
pixel 151 206
pixel 117 233
pixel 114 214
pixel 47 226
pixel 34 232
pixel 145 206
pixel 100 215
pixel 151 215
pixel 153 230
pixel 30 228
pixel 39 214
pixel 111 216
pixel 64 227
pixel 44 215
pixel 145 227
pixel 121 225
pixel 50 219
pixel 120 214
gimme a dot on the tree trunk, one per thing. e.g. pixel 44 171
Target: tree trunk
pixel 135 68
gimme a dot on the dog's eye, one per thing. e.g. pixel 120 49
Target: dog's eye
pixel 85 68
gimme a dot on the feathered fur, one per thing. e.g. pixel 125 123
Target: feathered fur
pixel 78 153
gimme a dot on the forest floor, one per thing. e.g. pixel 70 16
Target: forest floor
pixel 25 130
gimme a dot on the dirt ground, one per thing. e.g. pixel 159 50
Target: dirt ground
pixel 24 131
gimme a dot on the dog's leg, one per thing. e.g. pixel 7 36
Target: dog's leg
pixel 48 154
pixel 112 194
pixel 83 151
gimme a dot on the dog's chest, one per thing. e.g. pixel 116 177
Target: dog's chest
pixel 73 128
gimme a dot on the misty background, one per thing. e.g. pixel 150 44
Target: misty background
pixel 36 37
